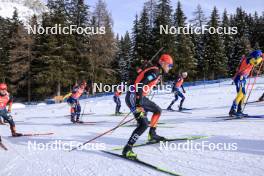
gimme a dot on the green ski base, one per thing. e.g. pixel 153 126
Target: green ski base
pixel 143 163
pixel 173 139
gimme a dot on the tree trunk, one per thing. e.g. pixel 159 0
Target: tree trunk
pixel 58 89
pixel 29 77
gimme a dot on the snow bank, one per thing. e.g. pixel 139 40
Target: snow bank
pixel 41 104
pixel 18 106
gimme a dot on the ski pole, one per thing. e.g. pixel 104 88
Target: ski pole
pixel 152 96
pixel 153 57
pixel 121 123
pixel 83 110
pixel 252 86
pixel 131 111
pixel 122 120
pixel 249 81
pixel 102 134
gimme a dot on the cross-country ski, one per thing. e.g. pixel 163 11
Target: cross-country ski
pixel 2 146
pixel 166 140
pixel 140 162
pixel 35 134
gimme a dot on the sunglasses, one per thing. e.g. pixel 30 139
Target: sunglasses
pixel 170 66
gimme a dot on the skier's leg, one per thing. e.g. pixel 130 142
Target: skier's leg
pixel 72 114
pixel 11 122
pixel 241 102
pixel 239 97
pixel 118 105
pixel 1 121
pixel 130 100
pixel 233 110
pixel 141 128
pixel 173 101
pixel 142 122
pixel 116 109
pixel 78 110
pixel 152 107
pixel 72 104
pixel 182 99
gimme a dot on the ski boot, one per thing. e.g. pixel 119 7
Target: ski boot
pixel 169 108
pixel 1 122
pixel 118 113
pixel 153 137
pixel 240 112
pixel 78 120
pixel 73 119
pixel 232 112
pixel 14 133
pixel 128 152
pixel 180 108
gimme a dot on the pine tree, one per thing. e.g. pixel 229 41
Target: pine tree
pixel 257 28
pixel 241 39
pixel 136 61
pixel 185 60
pixel 104 46
pixel 19 55
pixel 79 15
pixel 5 27
pixel 163 18
pixel 259 31
pixel 199 21
pixel 228 42
pixel 250 23
pixel 144 47
pixel 151 7
pixel 115 62
pixel 32 53
pixel 51 68
pixel 125 57
pixel 214 50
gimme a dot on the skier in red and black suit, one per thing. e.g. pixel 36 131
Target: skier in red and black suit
pixel 73 101
pixel 139 104
pixel 176 88
pixel 7 100
pixel 117 101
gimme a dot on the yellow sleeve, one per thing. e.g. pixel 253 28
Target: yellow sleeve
pixel 256 61
pixel 67 96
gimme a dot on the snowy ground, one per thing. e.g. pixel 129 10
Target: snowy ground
pixel 211 101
